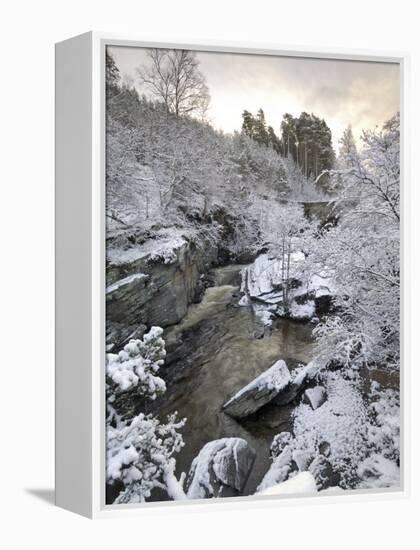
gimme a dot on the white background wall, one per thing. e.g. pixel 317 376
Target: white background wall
pixel 28 32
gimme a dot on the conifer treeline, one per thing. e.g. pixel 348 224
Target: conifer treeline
pixel 307 139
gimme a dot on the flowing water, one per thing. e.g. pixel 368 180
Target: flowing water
pixel 213 352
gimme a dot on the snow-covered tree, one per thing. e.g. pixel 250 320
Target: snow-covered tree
pixel 347 151
pixel 260 128
pixel 248 123
pixel 363 253
pixel 140 449
pixel 255 127
pixel 112 77
pixel 284 229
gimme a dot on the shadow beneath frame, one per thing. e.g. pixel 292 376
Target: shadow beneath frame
pixel 47 495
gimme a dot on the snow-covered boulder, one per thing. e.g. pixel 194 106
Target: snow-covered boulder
pixel 315 397
pixel 299 381
pixel 309 297
pixel 221 469
pixel 305 373
pixel 302 483
pixel 262 278
pixel 259 392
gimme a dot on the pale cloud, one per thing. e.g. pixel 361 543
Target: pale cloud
pixel 363 94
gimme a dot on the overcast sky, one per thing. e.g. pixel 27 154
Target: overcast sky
pixel 342 92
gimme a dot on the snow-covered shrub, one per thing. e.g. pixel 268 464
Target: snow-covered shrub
pixel 140 450
pixel 137 364
pixel 139 453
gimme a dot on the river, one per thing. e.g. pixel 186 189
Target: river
pixel 214 351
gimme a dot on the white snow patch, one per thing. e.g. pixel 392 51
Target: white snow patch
pixel 305 373
pixel 322 284
pixel 163 248
pixel 124 282
pixel 303 482
pixel 302 311
pixel 264 314
pixel 379 472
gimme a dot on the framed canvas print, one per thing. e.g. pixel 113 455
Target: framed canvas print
pixel 228 229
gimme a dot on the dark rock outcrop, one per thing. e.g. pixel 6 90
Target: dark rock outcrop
pixel 324 473
pixel 153 290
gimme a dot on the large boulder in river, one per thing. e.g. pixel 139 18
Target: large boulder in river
pixel 276 386
pixel 259 392
pixel 300 379
pixel 221 469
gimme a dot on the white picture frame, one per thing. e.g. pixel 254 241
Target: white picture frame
pixel 80 275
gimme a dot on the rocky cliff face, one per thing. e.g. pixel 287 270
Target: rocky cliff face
pixel 153 287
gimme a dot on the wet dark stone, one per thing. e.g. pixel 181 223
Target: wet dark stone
pixel 323 472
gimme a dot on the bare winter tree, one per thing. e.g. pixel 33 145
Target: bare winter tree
pixel 173 76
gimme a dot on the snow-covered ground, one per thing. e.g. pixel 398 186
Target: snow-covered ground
pixel 348 438
pixel 304 482
pixel 340 422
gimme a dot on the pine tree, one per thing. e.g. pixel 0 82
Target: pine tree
pixel 112 75
pixel 288 130
pixel 248 123
pixel 307 139
pixel 273 140
pixel 260 128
